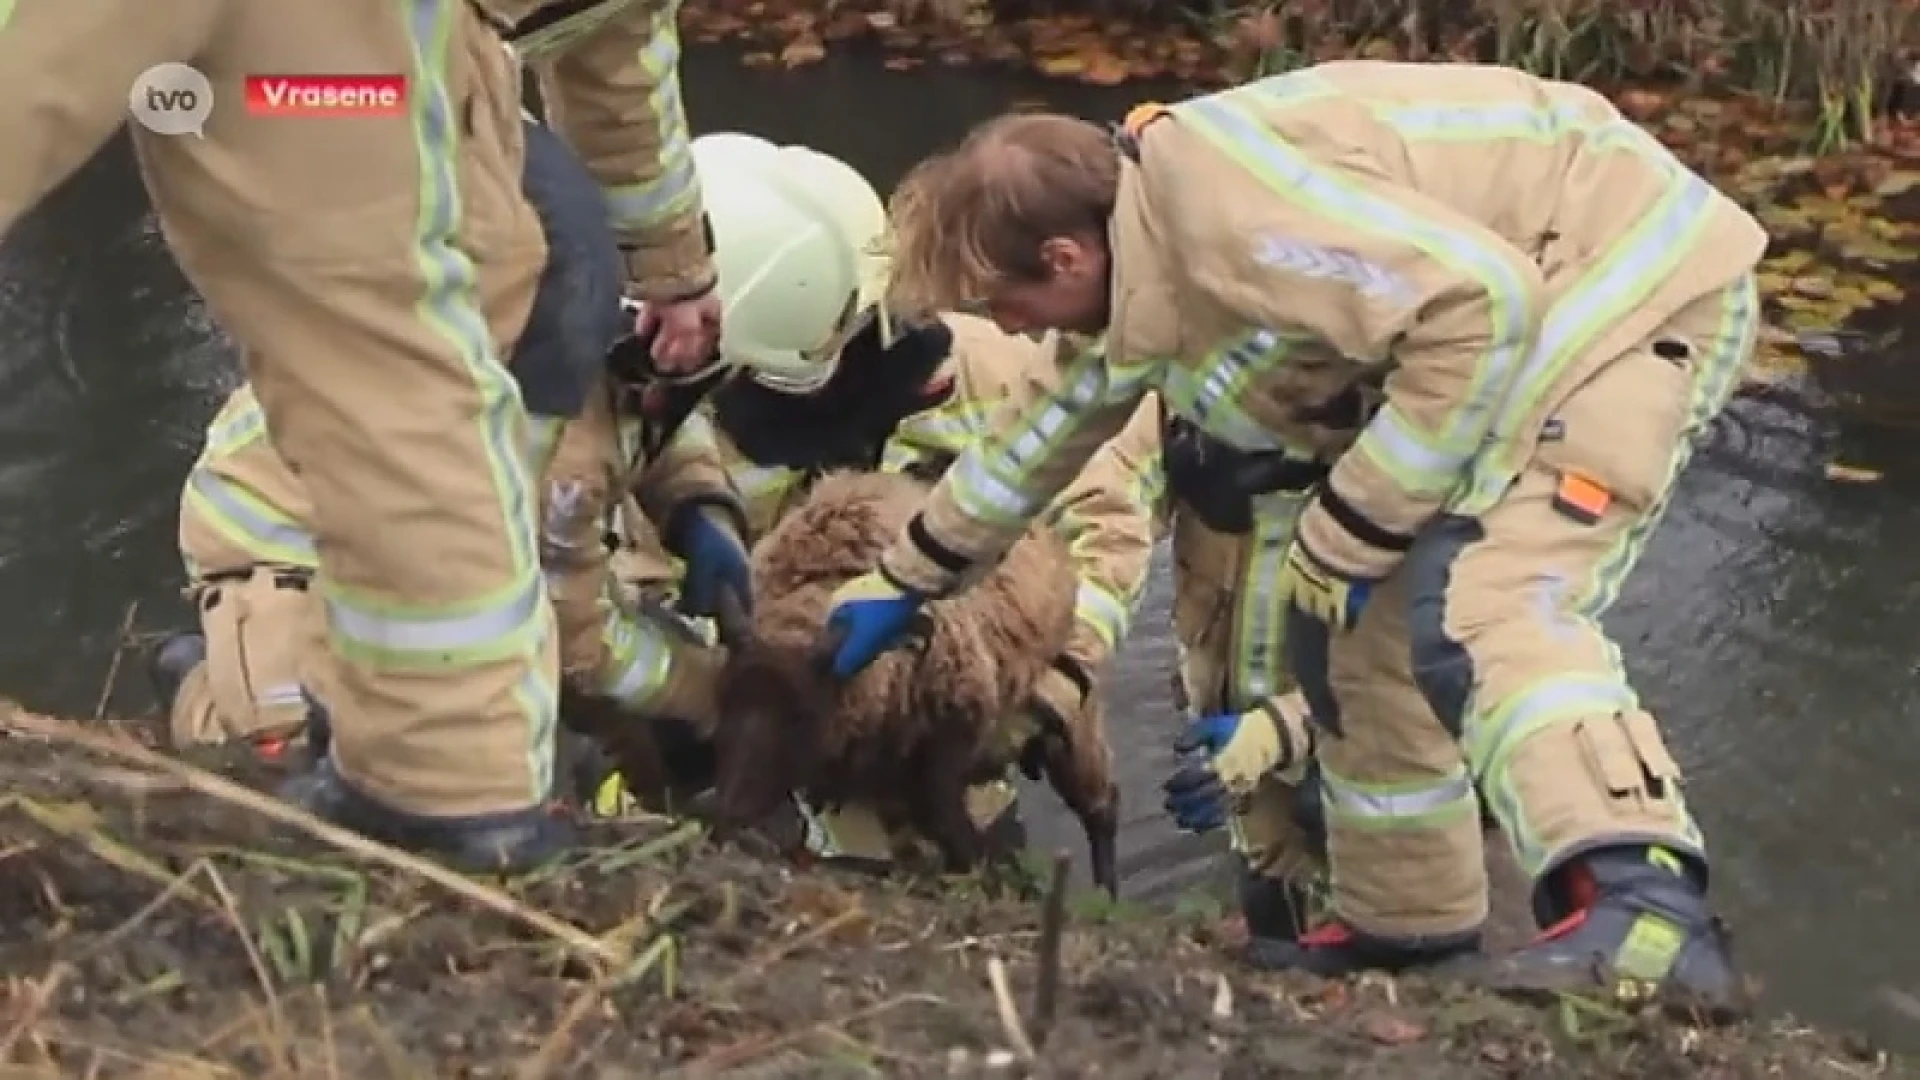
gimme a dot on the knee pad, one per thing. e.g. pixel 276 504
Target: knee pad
pixel 1442 669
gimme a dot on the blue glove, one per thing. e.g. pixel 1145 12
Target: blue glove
pixel 708 540
pixel 869 616
pixel 1227 755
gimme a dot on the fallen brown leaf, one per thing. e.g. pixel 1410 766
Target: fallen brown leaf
pixel 802 51
pixel 1389 1029
pixel 1106 70
pixel 1065 66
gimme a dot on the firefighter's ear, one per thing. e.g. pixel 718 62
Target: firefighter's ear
pixel 1073 257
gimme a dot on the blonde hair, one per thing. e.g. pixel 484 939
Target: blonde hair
pixel 976 216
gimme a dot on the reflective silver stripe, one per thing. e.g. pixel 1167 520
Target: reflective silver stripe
pixel 279 694
pixel 640 659
pixel 987 479
pixel 508 628
pixel 248 522
pixel 1100 611
pixel 1397 805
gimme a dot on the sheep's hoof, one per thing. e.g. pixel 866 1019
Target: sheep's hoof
pixel 1103 849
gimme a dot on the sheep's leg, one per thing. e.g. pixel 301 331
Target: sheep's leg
pixel 1099 813
pixel 941 806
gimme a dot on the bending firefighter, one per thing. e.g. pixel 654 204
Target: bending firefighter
pixel 244 536
pixel 374 305
pixel 1556 307
pixel 835 384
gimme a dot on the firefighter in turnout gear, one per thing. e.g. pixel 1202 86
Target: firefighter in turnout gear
pixel 1555 307
pixel 374 305
pixel 832 383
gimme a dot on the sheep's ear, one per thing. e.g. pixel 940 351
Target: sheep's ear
pixel 736 629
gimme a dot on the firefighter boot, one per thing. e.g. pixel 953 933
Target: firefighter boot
pixel 1275 909
pixel 1633 919
pixel 1334 950
pixel 491 844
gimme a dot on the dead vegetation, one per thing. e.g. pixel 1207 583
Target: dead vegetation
pixel 1846 64
pixel 158 923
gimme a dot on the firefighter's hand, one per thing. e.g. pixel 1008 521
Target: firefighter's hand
pixel 869 615
pixel 1338 556
pixel 1227 754
pixel 689 331
pixel 708 541
pixel 1320 591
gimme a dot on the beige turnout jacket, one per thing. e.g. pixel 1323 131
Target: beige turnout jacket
pixel 1484 238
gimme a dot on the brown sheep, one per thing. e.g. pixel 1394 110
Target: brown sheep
pixel 913 732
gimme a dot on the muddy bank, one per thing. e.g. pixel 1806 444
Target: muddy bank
pixel 156 927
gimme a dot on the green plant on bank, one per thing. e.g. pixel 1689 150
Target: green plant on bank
pixel 1839 57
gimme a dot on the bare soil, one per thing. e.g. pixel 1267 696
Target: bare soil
pixel 152 924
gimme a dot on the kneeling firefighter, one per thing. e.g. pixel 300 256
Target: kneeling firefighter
pixel 833 383
pixel 256 671
pixel 1250 739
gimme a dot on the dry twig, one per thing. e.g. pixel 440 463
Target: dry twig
pixel 202 782
pixel 1053 925
pixel 120 644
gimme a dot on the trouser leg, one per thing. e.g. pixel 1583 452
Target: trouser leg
pixel 242 677
pixel 1407 870
pixel 1279 859
pixel 1510 650
pixel 390 401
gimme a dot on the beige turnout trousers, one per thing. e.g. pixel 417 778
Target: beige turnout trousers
pixel 1496 619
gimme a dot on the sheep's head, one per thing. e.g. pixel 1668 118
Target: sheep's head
pixel 774 715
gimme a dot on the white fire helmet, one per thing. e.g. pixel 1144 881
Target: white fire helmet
pixel 799 242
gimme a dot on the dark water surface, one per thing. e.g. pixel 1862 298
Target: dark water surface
pixel 1775 623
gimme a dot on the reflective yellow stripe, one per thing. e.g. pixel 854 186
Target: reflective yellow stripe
pixel 1102 613
pixel 543 441
pixel 1623 280
pixel 248 522
pixel 642 206
pixel 238 424
pixel 512 621
pixel 1209 392
pixel 1259 663
pixel 988 481
pixel 1423 464
pixel 1410 805
pixel 639 659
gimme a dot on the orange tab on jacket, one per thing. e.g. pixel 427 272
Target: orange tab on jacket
pixel 1140 116
pixel 1581 497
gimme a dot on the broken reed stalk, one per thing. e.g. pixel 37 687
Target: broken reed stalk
pixel 1053 925
pixel 202 782
pixel 120 644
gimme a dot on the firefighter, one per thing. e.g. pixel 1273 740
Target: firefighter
pixel 830 382
pixel 374 272
pixel 1555 307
